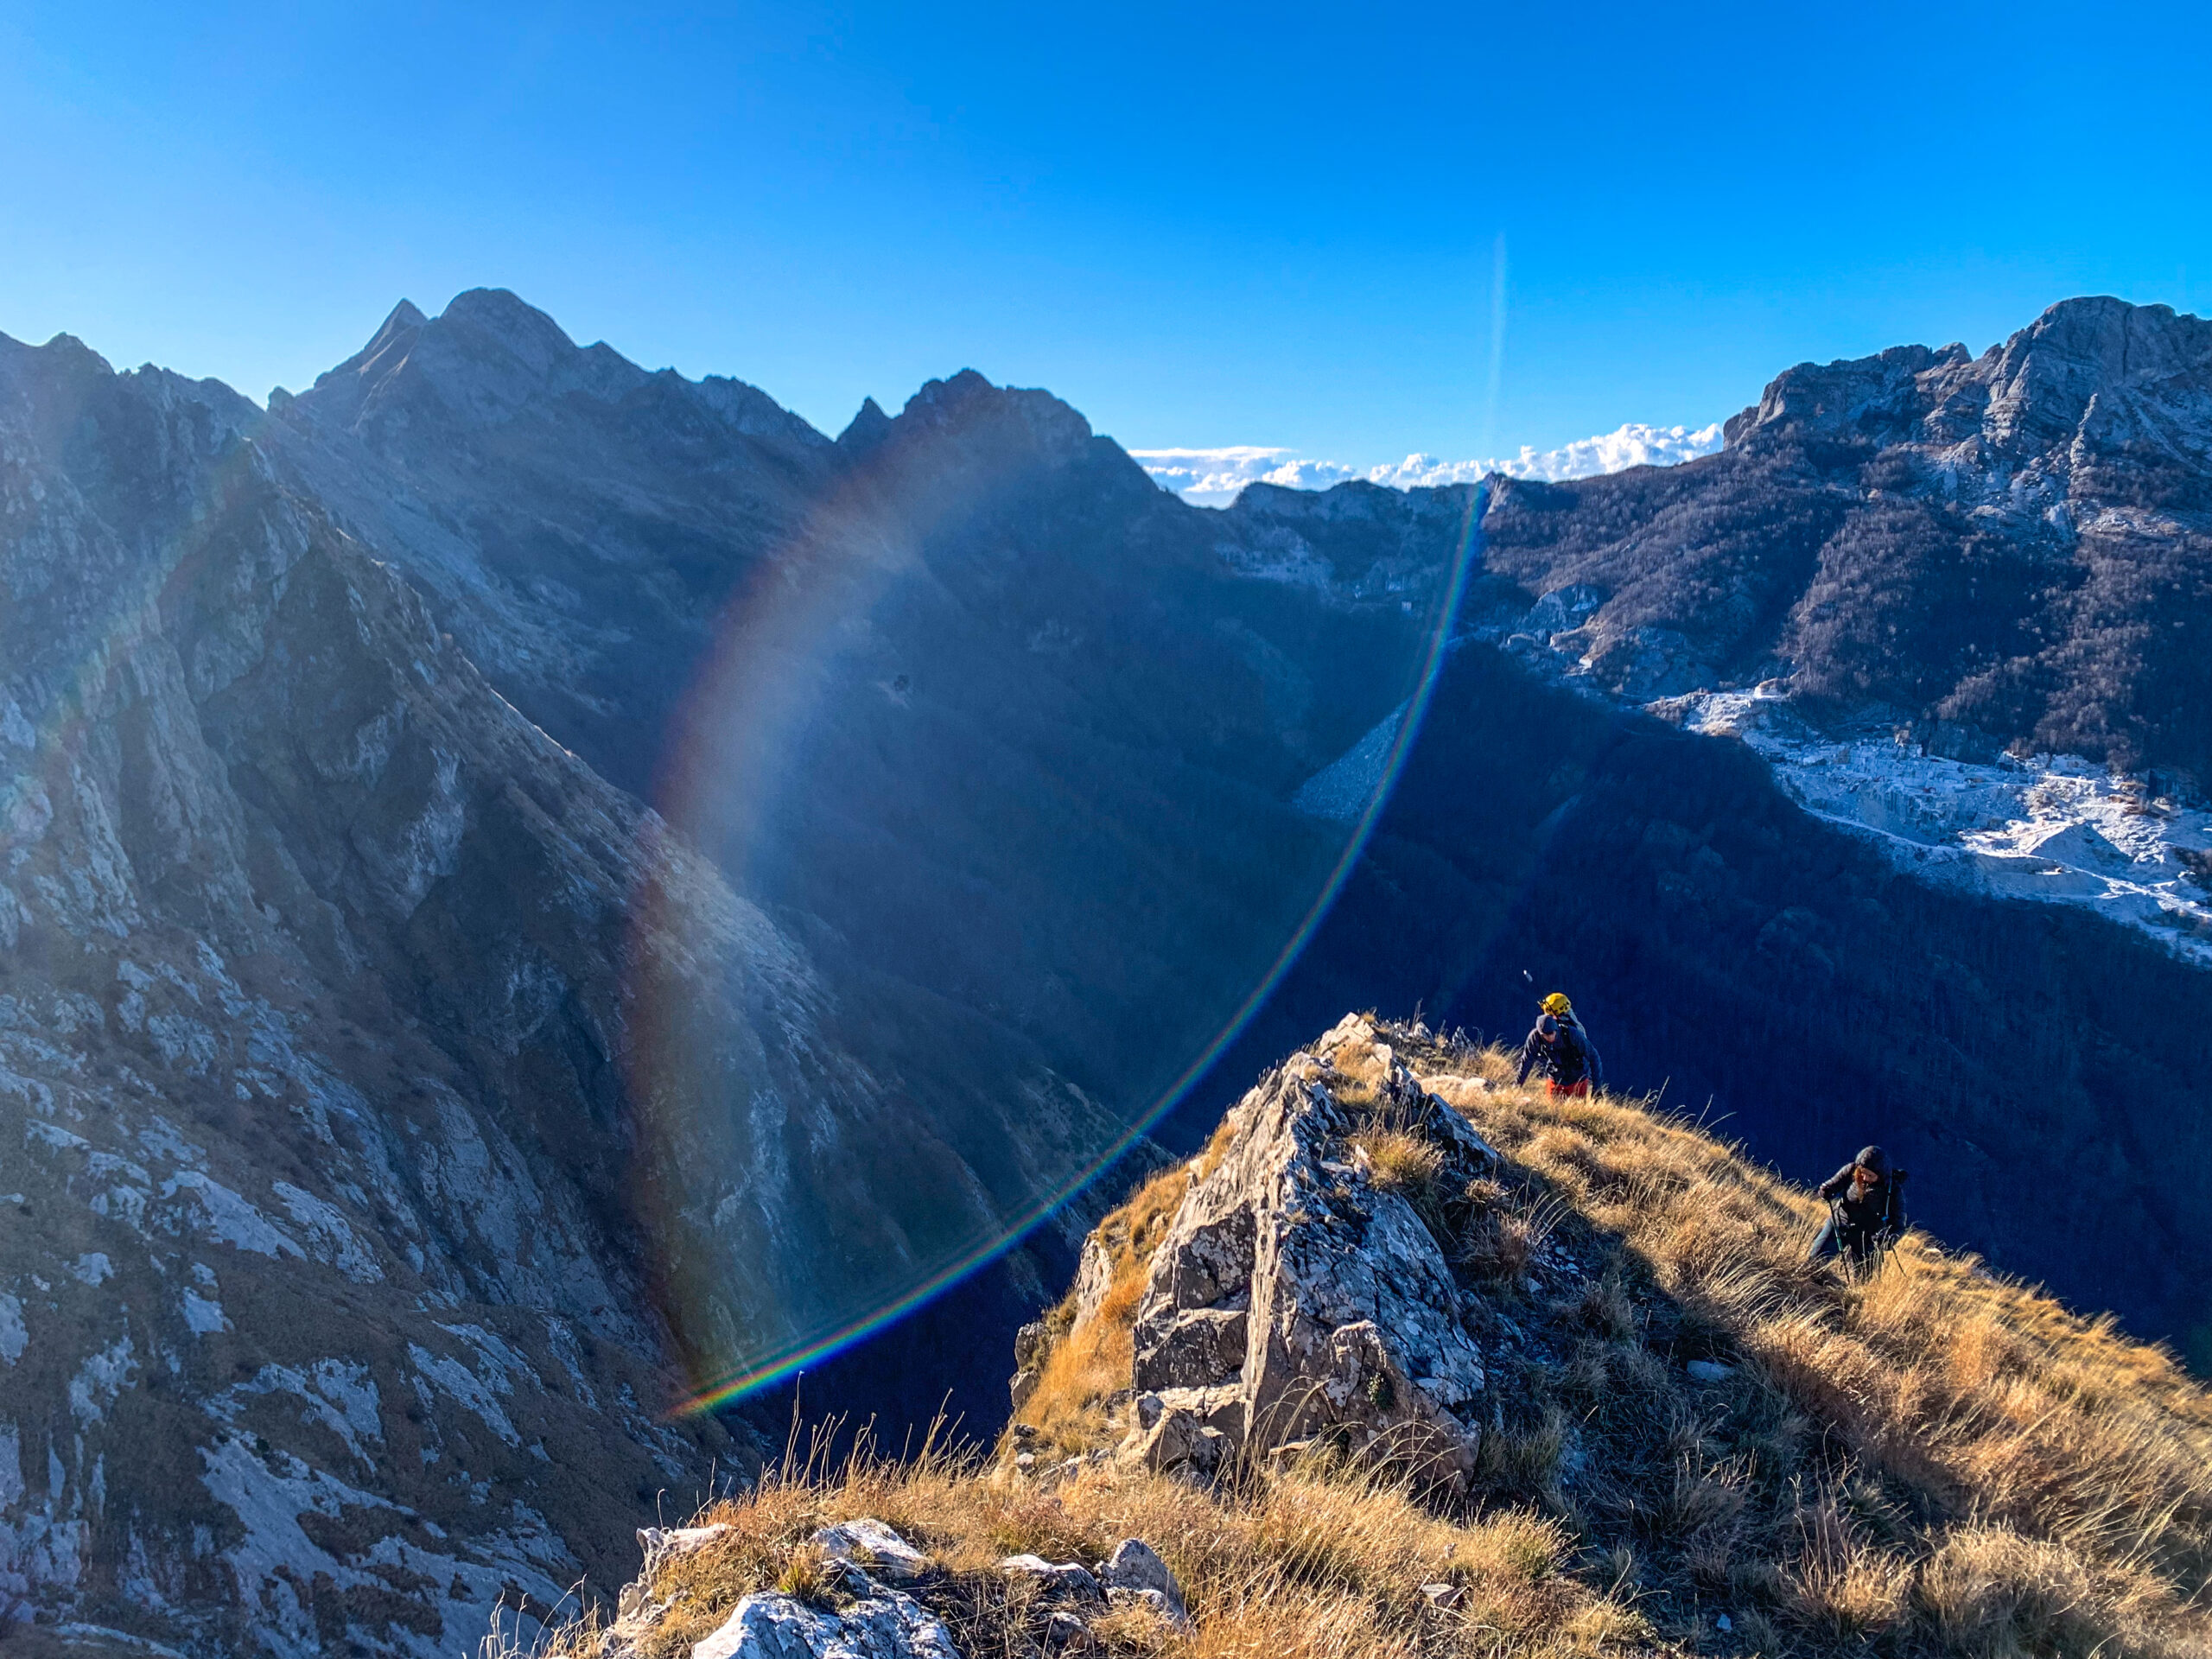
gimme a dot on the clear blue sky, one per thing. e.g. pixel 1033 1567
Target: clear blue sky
pixel 1208 226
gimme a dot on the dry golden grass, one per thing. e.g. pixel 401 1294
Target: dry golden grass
pixel 2061 1474
pixel 1090 1363
pixel 1400 1162
pixel 1936 1459
pixel 1300 1566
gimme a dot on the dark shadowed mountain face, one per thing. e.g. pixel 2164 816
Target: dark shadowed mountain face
pixel 411 1112
pixel 2037 1070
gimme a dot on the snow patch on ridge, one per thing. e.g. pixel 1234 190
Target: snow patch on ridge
pixel 2055 829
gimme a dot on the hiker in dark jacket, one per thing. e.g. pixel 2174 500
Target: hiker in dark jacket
pixel 1866 1209
pixel 1560 1009
pixel 1557 1050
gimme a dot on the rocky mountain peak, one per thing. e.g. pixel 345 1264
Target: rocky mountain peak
pixel 2044 379
pixel 484 359
pixel 967 407
pixel 2026 398
pixel 1879 397
pixel 868 427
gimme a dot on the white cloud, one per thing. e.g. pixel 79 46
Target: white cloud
pixel 1212 477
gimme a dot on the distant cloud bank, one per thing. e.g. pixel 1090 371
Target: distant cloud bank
pixel 1212 478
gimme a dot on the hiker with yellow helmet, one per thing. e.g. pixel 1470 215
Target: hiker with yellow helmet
pixel 1561 1050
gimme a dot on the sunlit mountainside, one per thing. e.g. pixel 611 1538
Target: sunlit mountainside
pixel 538 893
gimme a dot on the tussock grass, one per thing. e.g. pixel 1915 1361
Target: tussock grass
pixel 1304 1566
pixel 1936 1456
pixel 1400 1162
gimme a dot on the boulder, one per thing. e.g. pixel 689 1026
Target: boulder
pixel 884 1623
pixel 873 1547
pixel 1190 1432
pixel 1135 1568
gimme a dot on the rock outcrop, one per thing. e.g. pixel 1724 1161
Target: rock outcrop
pixel 871 1599
pixel 1299 1302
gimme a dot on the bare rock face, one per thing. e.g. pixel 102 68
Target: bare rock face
pixel 1296 1302
pixel 324 1322
pixel 881 1623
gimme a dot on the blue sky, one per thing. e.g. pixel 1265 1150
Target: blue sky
pixel 1241 225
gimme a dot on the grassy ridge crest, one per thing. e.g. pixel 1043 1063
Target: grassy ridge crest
pixel 1936 1459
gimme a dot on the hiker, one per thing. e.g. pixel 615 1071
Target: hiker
pixel 1560 1009
pixel 1866 1209
pixel 1559 1052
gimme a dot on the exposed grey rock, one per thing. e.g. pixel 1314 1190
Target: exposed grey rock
pixel 1066 1632
pixel 1196 1348
pixel 1135 1567
pixel 1029 1345
pixel 882 1625
pixel 875 1548
pixel 660 1545
pixel 1066 1579
pixel 1192 1432
pixel 1352 1327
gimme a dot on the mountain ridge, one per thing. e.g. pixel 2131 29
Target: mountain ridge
pixel 1410 1355
pixel 977 758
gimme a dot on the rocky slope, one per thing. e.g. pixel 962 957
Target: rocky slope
pixel 326 1311
pixel 1410 1358
pixel 1912 579
pixel 2001 550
